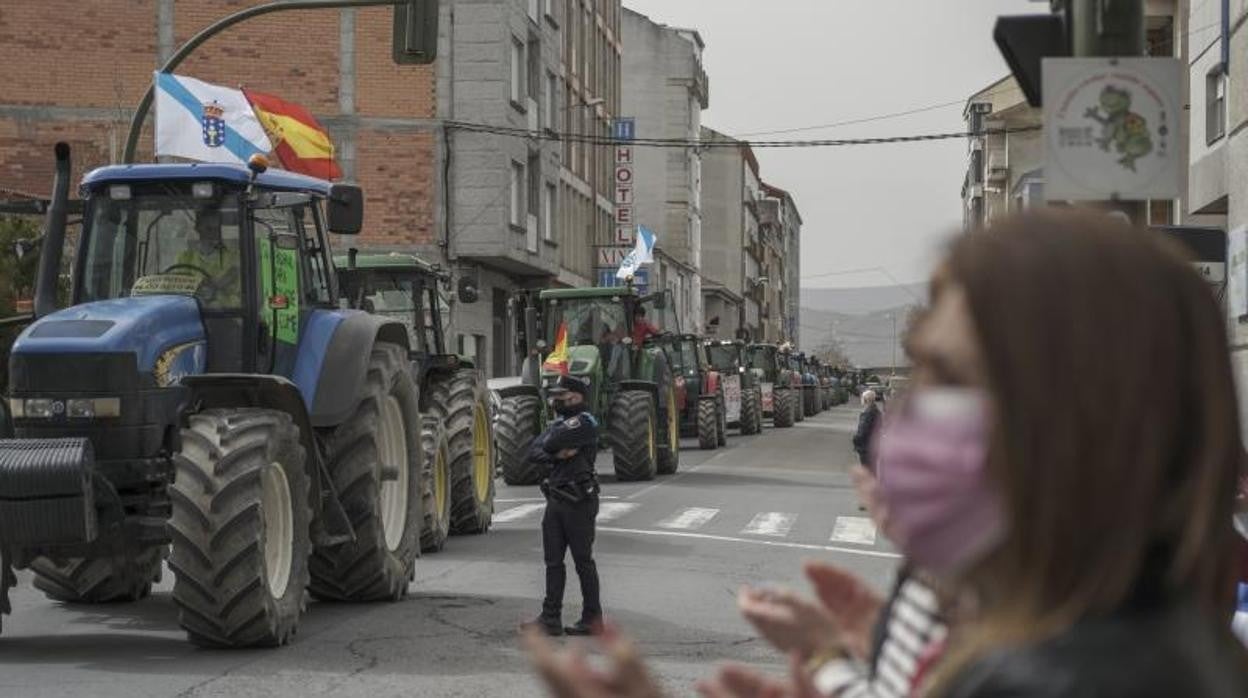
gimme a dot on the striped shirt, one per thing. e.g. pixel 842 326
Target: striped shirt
pixel 911 623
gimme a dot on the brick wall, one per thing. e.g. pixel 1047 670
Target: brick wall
pixel 74 71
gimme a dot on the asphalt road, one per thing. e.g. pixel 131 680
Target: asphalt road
pixel 672 554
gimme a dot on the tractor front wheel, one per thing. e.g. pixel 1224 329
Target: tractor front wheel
pixel 519 422
pixel 435 485
pixel 708 425
pixel 240 528
pixel 783 408
pixel 751 411
pixel 127 577
pixel 633 434
pixel 462 404
pixel 374 460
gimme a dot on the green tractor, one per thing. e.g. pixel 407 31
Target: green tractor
pixel 457 487
pixel 632 388
pixel 743 393
pixel 780 387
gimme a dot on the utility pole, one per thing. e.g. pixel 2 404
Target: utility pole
pixel 1108 29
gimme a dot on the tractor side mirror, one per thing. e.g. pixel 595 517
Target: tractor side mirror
pixel 346 209
pixel 466 290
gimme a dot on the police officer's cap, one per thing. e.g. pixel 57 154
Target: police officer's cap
pixel 569 384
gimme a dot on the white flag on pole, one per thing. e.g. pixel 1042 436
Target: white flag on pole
pixel 643 253
pixel 205 122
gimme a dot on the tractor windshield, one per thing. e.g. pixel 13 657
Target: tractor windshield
pixel 763 357
pixel 724 357
pixel 589 321
pixel 683 356
pixel 148 239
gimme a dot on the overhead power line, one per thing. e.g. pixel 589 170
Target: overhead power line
pixel 593 139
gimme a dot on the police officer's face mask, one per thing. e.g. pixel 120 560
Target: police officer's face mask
pixel 567 408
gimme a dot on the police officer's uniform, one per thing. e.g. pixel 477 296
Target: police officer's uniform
pixel 571 490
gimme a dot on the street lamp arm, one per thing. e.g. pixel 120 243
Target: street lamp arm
pixel 145 104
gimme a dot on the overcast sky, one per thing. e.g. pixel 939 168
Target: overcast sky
pixel 793 63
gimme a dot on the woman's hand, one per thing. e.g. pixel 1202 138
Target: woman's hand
pixel 851 604
pixel 569 674
pixel 789 621
pixel 736 681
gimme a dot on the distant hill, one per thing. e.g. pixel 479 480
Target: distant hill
pixel 862 301
pixel 860 320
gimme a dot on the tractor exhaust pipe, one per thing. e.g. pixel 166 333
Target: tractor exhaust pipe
pixel 53 236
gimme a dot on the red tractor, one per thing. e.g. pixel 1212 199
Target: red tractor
pixel 699 389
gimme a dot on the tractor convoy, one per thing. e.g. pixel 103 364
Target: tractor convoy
pixel 226 396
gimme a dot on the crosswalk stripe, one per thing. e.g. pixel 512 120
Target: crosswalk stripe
pixel 854 529
pixel 770 523
pixel 688 519
pixel 608 511
pixel 518 512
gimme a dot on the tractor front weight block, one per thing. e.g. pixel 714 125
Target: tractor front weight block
pixel 46 495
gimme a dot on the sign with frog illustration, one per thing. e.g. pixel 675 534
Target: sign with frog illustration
pixel 1111 127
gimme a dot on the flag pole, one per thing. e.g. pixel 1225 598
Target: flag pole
pixel 145 104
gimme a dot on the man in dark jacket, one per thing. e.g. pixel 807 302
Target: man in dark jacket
pixel 868 422
pixel 569 446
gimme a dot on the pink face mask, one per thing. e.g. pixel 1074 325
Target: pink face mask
pixel 931 461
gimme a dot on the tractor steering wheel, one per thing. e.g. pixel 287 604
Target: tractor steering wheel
pixel 207 288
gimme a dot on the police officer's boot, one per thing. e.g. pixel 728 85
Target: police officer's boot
pixel 551 626
pixel 583 626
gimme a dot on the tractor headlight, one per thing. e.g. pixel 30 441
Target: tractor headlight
pixel 86 408
pixel 74 408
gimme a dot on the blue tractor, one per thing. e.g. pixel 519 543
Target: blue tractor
pixel 204 398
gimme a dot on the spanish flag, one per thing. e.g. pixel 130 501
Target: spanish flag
pixel 300 143
pixel 557 360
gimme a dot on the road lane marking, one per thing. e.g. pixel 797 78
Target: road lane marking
pixel 608 511
pixel 854 529
pixel 691 518
pixel 518 512
pixel 753 541
pixel 770 523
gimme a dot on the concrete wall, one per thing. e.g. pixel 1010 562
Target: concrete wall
pixel 1236 150
pixel 723 217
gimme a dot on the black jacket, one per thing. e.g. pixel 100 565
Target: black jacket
pixel 1169 652
pixel 579 432
pixel 867 422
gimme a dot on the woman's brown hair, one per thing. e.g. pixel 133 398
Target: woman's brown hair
pixel 1117 443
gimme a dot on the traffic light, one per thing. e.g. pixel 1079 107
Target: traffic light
pixel 1024 41
pixel 415 32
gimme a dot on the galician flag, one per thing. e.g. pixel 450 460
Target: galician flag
pixel 557 360
pixel 205 122
pixel 643 253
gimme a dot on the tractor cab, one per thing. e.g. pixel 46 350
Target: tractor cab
pixel 779 384
pixel 742 388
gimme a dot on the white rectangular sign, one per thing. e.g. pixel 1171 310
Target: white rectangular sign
pixel 732 399
pixel 624 195
pixel 1237 272
pixel 1111 128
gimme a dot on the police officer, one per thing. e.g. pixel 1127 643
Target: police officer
pixel 569 446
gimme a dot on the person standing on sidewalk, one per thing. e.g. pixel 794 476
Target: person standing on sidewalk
pixel 868 422
pixel 570 447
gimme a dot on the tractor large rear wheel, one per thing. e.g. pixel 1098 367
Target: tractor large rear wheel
pixel 669 436
pixel 632 432
pixel 783 408
pixel 435 485
pixel 118 578
pixel 708 425
pixel 240 528
pixel 374 460
pixel 751 411
pixel 519 422
pixel 460 400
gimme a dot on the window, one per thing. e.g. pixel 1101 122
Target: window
pixel 534 78
pixel 318 289
pixel 552 99
pixel 517 193
pixel 1215 104
pixel 548 214
pixel 534 189
pixel 517 71
pixel 472 346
